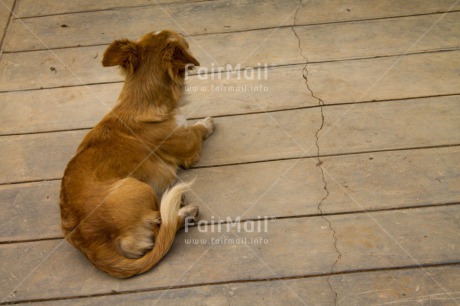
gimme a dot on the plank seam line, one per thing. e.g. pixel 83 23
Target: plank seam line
pixel 245 281
pixel 115 8
pixel 31 240
pixel 276 218
pixel 249 113
pixel 331 22
pixel 257 28
pixel 320 162
pixel 288 65
pixel 434 50
pixel 209 72
pixel 326 155
pixel 271 160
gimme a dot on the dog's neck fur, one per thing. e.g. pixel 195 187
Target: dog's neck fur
pixel 148 99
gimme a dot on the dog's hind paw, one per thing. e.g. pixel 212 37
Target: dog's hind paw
pixel 208 123
pixel 190 212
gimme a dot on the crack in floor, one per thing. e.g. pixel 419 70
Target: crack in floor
pixel 320 162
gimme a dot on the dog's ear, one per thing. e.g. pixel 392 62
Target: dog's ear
pixel 124 53
pixel 181 57
pixel 178 58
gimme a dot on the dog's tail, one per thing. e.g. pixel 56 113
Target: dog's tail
pixel 122 267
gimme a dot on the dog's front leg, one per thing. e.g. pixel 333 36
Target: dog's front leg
pixel 208 124
pixel 184 145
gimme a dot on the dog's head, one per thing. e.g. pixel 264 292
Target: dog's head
pixel 163 53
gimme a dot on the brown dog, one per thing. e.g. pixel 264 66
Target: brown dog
pixel 109 205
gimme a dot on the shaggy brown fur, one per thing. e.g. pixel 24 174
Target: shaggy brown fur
pixel 109 204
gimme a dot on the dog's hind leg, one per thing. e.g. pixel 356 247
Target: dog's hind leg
pixel 141 238
pixel 132 207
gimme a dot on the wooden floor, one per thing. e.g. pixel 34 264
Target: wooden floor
pixel 350 146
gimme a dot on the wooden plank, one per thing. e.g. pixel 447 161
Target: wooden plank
pixel 406 287
pixel 361 240
pixel 392 179
pixel 77 66
pixel 347 129
pixel 386 125
pixel 310 291
pixel 360 182
pixel 35 157
pixel 56 67
pixel 102 27
pixel 268 136
pixel 354 81
pixel 30 8
pixel 48 110
pixel 401 287
pixel 30 211
pixel 386 78
pixel 135 21
pixel 371 235
pixel 29 111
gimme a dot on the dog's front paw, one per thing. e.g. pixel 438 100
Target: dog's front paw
pixel 208 123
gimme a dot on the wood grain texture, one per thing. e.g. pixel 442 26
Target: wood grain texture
pixel 102 27
pixel 375 240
